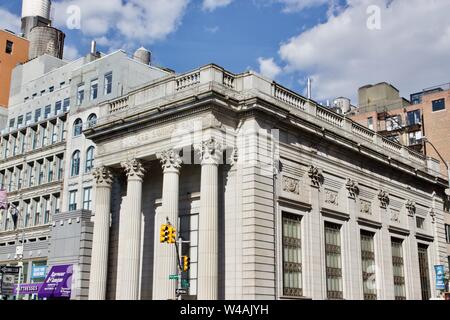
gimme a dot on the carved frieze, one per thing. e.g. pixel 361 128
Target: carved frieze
pixel 332 198
pixel 291 185
pixel 395 216
pixel 366 207
pixel 383 196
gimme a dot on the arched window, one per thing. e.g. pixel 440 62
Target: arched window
pixel 75 167
pixel 92 120
pixel 89 159
pixel 77 127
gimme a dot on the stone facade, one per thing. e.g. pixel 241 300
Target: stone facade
pixel 226 158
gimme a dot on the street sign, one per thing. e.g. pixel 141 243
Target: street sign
pixel 10 270
pixel 8 283
pixel 181 291
pixel 185 284
pixel 174 277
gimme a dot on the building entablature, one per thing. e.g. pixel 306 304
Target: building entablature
pixel 212 86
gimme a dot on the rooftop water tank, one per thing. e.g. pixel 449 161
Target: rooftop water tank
pixel 46 40
pixel 143 55
pixel 34 8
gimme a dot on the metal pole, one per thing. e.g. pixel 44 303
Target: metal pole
pixel 180 266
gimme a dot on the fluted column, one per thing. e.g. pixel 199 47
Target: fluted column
pixel 130 230
pixel 165 262
pixel 208 246
pixel 100 244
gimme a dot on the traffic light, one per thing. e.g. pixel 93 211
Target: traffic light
pixel 186 263
pixel 164 233
pixel 172 235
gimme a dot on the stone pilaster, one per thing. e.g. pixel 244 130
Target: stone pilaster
pixel 165 262
pixel 100 244
pixel 208 247
pixel 130 230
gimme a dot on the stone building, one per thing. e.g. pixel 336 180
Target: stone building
pixel 279 197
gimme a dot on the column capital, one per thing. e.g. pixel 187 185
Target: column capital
pixel 210 151
pixel 133 169
pixel 103 176
pixel 170 160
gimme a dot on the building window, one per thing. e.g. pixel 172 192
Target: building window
pixel 424 274
pixel 47 111
pixel 438 105
pixel 75 167
pixel 77 127
pixel 414 117
pixel 37 115
pixel 12 122
pixel 415 138
pixel 92 120
pixel 51 89
pixel 73 200
pixel 368 265
pixel 333 261
pixel 108 83
pixel 447 233
pixel 292 256
pixel 398 268
pixel 94 89
pixel 370 123
pixel 89 159
pixel 66 105
pixel 87 198
pixel 19 121
pixel 420 223
pixel 58 107
pixel 28 118
pixel 9 47
pixel 416 98
pixel 80 94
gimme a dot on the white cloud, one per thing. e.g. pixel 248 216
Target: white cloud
pixel 71 53
pixel 133 21
pixel 268 68
pixel 9 21
pixel 211 5
pixel 410 50
pixel 212 30
pixel 298 5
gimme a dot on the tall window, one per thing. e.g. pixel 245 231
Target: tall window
pixel 9 47
pixel 399 270
pixel 87 198
pixel 37 115
pixel 447 233
pixel 368 265
pixel 73 200
pixel 94 89
pixel 89 159
pixel 108 83
pixel 77 127
pixel 423 269
pixel 92 120
pixel 28 118
pixel 46 211
pixel 66 105
pixel 75 167
pixel 80 94
pixel 47 112
pixel 370 123
pixel 414 117
pixel 58 107
pixel 189 232
pixel 438 105
pixel 292 256
pixel 333 261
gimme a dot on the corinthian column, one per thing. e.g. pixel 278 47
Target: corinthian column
pixel 100 244
pixel 208 245
pixel 130 230
pixel 165 262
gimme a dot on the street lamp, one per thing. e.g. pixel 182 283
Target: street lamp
pixel 447 164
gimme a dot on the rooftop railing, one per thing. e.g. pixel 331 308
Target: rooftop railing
pixel 173 87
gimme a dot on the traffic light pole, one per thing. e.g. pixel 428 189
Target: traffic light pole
pixel 180 267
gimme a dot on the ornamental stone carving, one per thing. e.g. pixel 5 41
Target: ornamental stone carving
pixel 133 169
pixel 433 215
pixel 395 216
pixel 383 196
pixel 353 188
pixel 332 197
pixel 170 160
pixel 366 207
pixel 210 151
pixel 411 208
pixel 291 185
pixel 315 175
pixel 234 157
pixel 103 176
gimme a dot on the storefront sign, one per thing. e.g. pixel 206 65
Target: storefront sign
pixel 440 277
pixel 38 272
pixel 58 283
pixel 28 288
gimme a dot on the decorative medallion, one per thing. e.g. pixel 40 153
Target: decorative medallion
pixel 366 207
pixel 332 197
pixel 395 216
pixel 291 185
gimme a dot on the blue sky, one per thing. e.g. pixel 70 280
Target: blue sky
pixel 288 40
